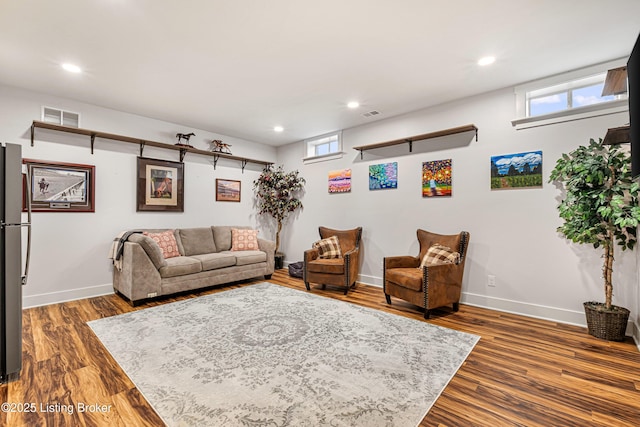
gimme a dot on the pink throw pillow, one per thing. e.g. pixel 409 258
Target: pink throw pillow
pixel 167 242
pixel 244 239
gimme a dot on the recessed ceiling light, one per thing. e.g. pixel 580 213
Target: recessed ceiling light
pixel 487 60
pixel 278 128
pixel 71 68
pixel 353 104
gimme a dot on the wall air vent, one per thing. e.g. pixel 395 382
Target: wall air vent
pixel 372 113
pixel 60 117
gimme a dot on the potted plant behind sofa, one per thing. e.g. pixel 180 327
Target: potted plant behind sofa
pixel 277 195
pixel 600 208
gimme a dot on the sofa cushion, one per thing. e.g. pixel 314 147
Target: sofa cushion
pixel 328 266
pixel 250 257
pixel 196 241
pixel 166 240
pixel 438 254
pixel 410 277
pixel 222 236
pixel 179 266
pixel 215 260
pixel 329 247
pixel 244 239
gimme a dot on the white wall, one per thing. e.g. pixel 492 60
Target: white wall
pixel 69 257
pixel 513 232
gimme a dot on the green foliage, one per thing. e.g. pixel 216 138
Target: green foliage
pixel 601 203
pixel 276 193
pixel 601 197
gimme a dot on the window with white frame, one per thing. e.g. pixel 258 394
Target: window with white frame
pixel 323 146
pixel 570 96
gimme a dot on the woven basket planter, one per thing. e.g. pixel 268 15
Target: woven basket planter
pixel 606 325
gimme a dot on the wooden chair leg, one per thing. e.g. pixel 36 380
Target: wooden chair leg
pixel 388 297
pixel 456 306
pixel 307 285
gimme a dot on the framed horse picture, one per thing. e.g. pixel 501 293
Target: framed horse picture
pixel 59 187
pixel 160 185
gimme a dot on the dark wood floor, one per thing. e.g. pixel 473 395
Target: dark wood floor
pixel 522 372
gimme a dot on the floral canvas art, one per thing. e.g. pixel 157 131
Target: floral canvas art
pixel 383 176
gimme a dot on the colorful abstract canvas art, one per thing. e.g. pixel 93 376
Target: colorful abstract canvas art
pixel 516 170
pixel 383 176
pixel 436 178
pixel 340 181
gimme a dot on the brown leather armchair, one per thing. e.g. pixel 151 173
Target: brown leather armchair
pixel 334 271
pixel 430 286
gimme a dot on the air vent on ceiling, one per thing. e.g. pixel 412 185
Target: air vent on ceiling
pixel 371 113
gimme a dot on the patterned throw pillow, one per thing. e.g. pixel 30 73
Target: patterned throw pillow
pixel 438 254
pixel 167 242
pixel 244 239
pixel 329 247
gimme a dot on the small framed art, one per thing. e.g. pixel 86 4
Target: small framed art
pixel 227 190
pixel 160 185
pixel 60 187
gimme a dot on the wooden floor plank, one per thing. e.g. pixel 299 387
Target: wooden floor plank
pixel 523 371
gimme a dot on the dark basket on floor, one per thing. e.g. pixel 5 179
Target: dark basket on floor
pixel 606 325
pixel 295 269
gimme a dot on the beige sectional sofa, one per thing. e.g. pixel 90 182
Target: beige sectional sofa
pixel 205 259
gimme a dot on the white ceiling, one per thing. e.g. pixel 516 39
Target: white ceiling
pixel 239 67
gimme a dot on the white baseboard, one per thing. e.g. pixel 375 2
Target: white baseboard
pixel 63 296
pixel 553 314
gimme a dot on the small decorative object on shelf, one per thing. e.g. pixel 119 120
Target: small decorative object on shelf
pixel 217 146
pixel 186 137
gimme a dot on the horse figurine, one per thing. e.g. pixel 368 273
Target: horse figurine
pixel 184 136
pixel 217 146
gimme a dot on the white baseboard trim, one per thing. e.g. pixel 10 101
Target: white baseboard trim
pixel 553 314
pixel 63 296
pixel 537 311
pixel 370 280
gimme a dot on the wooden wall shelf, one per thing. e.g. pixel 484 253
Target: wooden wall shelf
pixel 410 140
pixel 142 143
pixel 618 135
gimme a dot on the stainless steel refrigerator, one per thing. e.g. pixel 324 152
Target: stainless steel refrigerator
pixel 12 276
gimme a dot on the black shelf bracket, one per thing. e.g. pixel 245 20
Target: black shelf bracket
pixel 93 141
pixel 141 148
pixel 244 163
pixel 361 154
pixel 215 161
pixel 410 145
pixel 183 152
pixel 33 132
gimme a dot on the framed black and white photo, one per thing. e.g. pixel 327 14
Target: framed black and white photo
pixel 60 187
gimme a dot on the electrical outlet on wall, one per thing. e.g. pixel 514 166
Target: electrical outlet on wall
pixel 491 281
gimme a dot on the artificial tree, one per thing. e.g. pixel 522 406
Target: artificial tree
pixel 277 195
pixel 600 207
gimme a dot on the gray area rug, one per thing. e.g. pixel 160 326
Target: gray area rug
pixel 266 355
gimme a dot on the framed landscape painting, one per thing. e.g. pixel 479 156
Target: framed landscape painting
pixel 227 190
pixel 383 176
pixel 340 181
pixel 60 187
pixel 436 178
pixel 160 185
pixel 521 170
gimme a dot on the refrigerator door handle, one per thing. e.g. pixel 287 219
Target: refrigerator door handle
pixel 24 277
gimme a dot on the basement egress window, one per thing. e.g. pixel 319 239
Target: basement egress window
pixel 570 96
pixel 323 147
